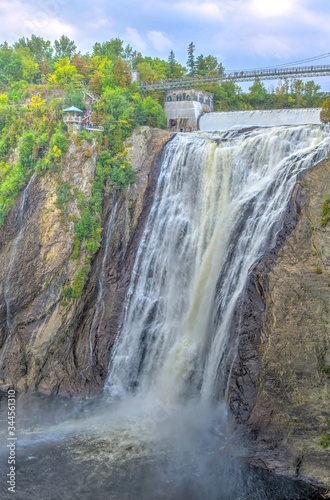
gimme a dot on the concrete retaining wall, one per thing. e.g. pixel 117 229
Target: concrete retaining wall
pixel 185 113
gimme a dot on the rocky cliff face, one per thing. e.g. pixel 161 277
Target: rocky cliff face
pixel 47 345
pixel 280 385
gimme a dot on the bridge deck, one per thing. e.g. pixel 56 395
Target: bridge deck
pixel 241 76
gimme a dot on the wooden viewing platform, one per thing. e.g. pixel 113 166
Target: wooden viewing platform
pixel 79 121
pixel 76 121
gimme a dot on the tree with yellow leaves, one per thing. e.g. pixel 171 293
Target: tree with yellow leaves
pixel 65 73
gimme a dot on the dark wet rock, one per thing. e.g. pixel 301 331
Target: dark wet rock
pixel 279 391
pixel 45 344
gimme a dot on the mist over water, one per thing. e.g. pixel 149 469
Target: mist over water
pixel 130 451
pixel 160 431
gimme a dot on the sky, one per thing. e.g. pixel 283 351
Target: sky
pixel 242 34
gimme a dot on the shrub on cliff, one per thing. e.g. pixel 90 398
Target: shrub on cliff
pixel 60 141
pixel 325 214
pixel 26 151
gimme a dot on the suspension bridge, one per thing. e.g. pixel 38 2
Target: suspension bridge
pixel 313 67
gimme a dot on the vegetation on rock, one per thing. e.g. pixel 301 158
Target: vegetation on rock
pixel 325 213
pixel 325 438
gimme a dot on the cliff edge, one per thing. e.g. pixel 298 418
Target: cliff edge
pixel 280 385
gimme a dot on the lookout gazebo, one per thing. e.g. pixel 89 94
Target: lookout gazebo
pixel 73 118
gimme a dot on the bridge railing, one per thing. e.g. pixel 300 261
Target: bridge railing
pixel 278 71
pixel 241 75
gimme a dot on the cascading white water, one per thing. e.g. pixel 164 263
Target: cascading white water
pixel 217 207
pixel 10 269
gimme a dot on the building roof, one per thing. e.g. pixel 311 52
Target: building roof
pixel 77 110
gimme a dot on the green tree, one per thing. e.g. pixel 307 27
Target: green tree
pixel 208 65
pixel 228 96
pixel 103 77
pixel 121 74
pixel 172 63
pixel 115 102
pixel 140 114
pixel 65 73
pixel 26 150
pixel 113 47
pixel 311 94
pixel 4 110
pixel 74 97
pixel 10 64
pixel 191 59
pixel 81 64
pixel 201 67
pixel 298 89
pixel 64 48
pixel 155 114
pixel 258 93
pixel 325 111
pixel 128 52
pixel 29 65
pixel 211 63
pixel 146 71
pixel 39 47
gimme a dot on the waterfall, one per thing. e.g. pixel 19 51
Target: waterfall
pixel 217 208
pixel 10 269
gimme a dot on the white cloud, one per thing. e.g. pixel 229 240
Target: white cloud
pixel 271 45
pixel 159 41
pixel 316 20
pixel 132 35
pixel 272 8
pixel 210 11
pixel 19 19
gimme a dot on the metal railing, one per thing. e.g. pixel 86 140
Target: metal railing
pixel 92 129
pixel 245 75
pixel 74 119
pixel 79 121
